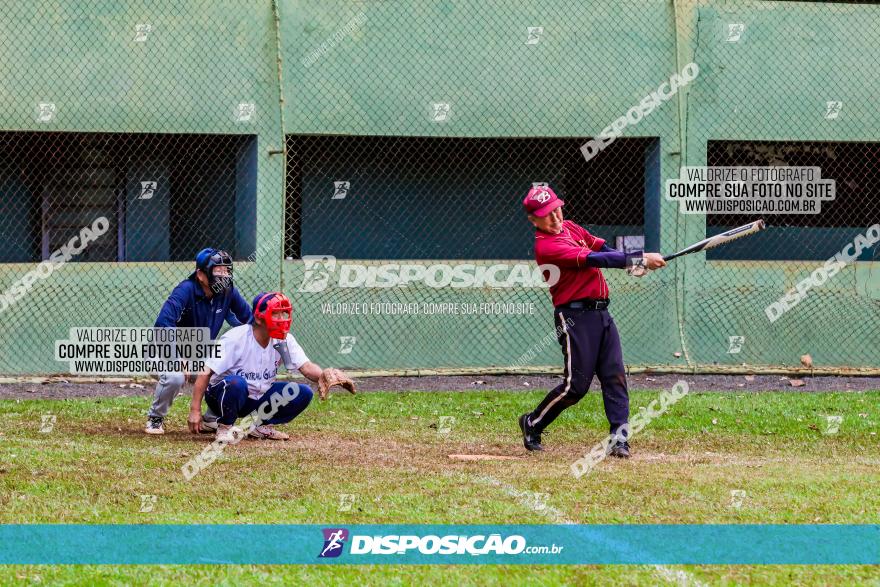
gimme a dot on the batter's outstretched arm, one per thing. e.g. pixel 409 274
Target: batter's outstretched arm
pixel 620 260
pixel 563 254
pixel 608 258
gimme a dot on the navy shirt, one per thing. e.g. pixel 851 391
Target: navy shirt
pixel 188 306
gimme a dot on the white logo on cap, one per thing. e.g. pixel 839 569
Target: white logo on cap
pixel 543 197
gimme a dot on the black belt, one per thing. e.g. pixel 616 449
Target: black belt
pixel 585 304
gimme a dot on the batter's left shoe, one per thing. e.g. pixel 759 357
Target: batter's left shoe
pixel 620 450
pixel 268 431
pixel 531 439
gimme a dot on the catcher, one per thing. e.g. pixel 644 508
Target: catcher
pixel 242 379
pixel 205 299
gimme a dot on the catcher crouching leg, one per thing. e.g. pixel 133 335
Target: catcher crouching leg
pixel 241 381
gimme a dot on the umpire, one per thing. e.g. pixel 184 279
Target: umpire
pixel 205 299
pixel 585 329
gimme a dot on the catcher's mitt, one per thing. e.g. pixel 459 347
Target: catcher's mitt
pixel 330 377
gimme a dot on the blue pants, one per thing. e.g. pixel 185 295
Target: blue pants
pixel 229 399
pixel 590 345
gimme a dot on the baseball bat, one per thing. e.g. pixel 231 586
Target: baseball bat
pixel 720 239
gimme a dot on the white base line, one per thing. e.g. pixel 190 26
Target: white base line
pixel 675 576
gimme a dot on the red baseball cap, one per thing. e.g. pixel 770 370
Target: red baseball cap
pixel 541 200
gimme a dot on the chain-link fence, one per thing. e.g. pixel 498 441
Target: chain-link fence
pixel 370 158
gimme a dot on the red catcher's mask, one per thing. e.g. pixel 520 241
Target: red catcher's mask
pixel 266 308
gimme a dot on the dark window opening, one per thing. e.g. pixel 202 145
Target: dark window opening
pixel 165 196
pixel 457 198
pixel 806 237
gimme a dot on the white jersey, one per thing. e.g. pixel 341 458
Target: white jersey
pixel 241 354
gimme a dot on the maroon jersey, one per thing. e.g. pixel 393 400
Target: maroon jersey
pixel 568 250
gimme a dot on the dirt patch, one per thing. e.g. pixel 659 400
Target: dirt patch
pixel 513 383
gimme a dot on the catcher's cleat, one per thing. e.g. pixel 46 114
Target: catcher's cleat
pixel 620 450
pixel 207 427
pixel 154 425
pixel 268 431
pixel 531 439
pixel 229 434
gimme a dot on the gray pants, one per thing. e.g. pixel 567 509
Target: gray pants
pixel 167 389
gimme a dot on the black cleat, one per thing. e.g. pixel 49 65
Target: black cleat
pixel 620 450
pixel 531 439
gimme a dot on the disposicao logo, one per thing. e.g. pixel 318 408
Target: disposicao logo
pixel 334 540
pixel 434 544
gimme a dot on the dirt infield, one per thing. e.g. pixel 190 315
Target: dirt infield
pixel 730 383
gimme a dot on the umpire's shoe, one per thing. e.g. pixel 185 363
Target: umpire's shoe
pixel 154 425
pixel 620 449
pixel 531 439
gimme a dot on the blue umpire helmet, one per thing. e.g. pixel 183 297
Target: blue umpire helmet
pixel 209 258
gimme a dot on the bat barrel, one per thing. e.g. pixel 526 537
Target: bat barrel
pixel 720 239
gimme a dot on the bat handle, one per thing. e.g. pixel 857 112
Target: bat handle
pixel 671 257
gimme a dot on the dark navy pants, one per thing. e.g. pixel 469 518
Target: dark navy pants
pixel 228 398
pixel 590 345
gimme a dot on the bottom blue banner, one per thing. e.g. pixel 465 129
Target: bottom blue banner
pixel 440 544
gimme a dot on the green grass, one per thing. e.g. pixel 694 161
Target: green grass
pixel 385 449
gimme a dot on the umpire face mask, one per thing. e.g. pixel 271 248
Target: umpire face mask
pixel 218 270
pixel 221 278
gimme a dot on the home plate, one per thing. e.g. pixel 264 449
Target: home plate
pixel 483 458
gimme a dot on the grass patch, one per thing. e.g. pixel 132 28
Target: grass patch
pixel 386 450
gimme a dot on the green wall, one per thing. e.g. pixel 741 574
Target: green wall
pixel 198 63
pixel 594 61
pixel 773 85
